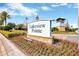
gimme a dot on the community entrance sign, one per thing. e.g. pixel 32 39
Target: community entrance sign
pixel 40 28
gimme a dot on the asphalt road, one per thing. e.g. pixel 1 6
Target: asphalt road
pixel 74 37
pixel 67 37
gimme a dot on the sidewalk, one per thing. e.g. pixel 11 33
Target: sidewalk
pixel 10 48
pixel 2 50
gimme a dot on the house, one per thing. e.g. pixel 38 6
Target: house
pixel 61 28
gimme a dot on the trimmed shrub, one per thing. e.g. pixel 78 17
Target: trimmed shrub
pixel 12 25
pixel 54 29
pixel 14 33
pixel 7 27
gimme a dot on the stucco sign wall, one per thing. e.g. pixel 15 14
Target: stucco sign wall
pixel 40 28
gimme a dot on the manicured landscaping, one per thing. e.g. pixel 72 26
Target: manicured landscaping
pixel 44 37
pixel 13 33
pixel 37 48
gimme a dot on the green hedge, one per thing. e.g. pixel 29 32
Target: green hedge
pixel 14 33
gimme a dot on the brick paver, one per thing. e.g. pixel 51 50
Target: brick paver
pixel 2 49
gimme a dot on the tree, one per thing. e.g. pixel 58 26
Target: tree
pixel 20 26
pixel 4 16
pixel 12 25
pixel 1 20
pixel 71 26
pixel 61 20
pixel 7 27
pixel 67 26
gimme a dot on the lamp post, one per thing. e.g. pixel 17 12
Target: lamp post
pixel 52 37
pixel 51 25
pixel 26 25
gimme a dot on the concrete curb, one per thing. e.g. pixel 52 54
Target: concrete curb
pixel 11 49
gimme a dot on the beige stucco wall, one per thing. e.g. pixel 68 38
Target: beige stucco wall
pixel 61 28
pixel 42 39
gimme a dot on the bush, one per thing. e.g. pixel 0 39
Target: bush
pixel 73 30
pixel 13 33
pixel 1 27
pixel 54 29
pixel 12 25
pixel 67 29
pixel 7 27
pixel 20 26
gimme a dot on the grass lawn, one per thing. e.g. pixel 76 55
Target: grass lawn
pixel 6 33
pixel 68 33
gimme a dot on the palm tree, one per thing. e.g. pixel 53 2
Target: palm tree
pixel 1 20
pixel 4 16
pixel 61 20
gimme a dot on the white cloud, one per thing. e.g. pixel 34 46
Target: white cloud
pixel 45 8
pixel 74 25
pixel 20 9
pixel 3 9
pixel 59 4
pixel 54 5
pixel 76 5
pixel 62 4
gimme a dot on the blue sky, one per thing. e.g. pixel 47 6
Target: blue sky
pixel 45 11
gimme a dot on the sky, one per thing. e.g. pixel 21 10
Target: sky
pixel 45 11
